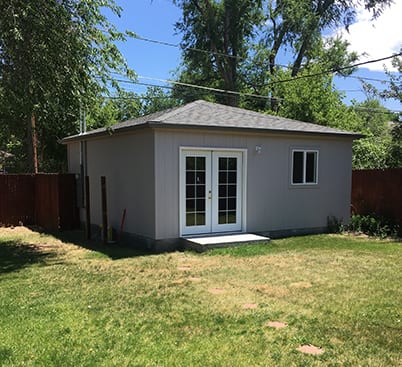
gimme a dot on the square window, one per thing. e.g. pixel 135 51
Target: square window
pixel 304 167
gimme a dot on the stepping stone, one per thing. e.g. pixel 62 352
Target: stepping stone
pixel 311 349
pixel 194 279
pixel 250 305
pixel 301 285
pixel 216 290
pixel 276 324
pixel 184 268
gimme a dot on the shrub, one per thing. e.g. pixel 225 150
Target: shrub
pixel 374 225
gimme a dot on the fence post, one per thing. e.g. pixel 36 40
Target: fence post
pixel 104 209
pixel 87 210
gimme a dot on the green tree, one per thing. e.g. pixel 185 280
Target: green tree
pixel 230 28
pixel 224 28
pixel 55 57
pixel 394 158
pixel 155 99
pixel 394 91
pixel 314 100
pixel 372 150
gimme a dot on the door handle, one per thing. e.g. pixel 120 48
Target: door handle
pixel 209 195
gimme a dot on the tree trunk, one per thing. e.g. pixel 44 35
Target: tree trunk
pixel 32 145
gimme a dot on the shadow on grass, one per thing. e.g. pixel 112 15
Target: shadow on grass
pixel 16 255
pixel 114 251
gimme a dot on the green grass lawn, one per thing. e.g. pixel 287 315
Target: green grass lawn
pixel 67 305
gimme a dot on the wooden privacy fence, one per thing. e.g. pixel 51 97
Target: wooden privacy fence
pixel 378 192
pixel 47 200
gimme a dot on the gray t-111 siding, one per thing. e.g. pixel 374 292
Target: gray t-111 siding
pixel 127 162
pixel 272 203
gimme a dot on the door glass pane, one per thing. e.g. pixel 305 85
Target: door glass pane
pixel 195 191
pixel 200 164
pixel 231 217
pixel 223 190
pixel 232 164
pixel 190 163
pixel 227 190
pixel 190 191
pixel 190 205
pixel 223 164
pixel 222 218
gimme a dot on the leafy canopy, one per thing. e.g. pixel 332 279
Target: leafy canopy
pixel 55 58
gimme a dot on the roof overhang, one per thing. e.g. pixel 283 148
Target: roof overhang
pixel 160 125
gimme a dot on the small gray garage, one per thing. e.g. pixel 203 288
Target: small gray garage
pixel 205 168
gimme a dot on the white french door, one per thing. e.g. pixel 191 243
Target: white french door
pixel 211 191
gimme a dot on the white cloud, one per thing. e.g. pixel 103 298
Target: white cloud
pixel 376 38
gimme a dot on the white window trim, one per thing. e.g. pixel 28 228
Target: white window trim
pixel 305 151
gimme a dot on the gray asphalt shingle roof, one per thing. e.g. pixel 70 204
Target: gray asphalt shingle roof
pixel 202 114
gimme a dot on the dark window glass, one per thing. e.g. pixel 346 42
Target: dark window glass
pixel 200 178
pixel 190 178
pixel 222 217
pixel 232 164
pixel 223 176
pixel 231 217
pixel 223 190
pixel 190 205
pixel 190 163
pixel 190 219
pixel 231 190
pixel 311 164
pixel 232 204
pixel 200 219
pixel 232 177
pixel 190 191
pixel 200 164
pixel 200 191
pixel 297 176
pixel 223 164
pixel 222 204
pixel 200 205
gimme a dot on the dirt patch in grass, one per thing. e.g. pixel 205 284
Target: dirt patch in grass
pixel 216 290
pixel 184 268
pixel 195 279
pixel 276 324
pixel 311 349
pixel 250 306
pixel 302 285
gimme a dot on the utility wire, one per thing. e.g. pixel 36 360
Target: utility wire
pixel 229 92
pixel 336 70
pixel 209 52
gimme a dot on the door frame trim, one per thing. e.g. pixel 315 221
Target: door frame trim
pixel 244 183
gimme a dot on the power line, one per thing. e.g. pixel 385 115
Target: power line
pixel 336 70
pixel 225 91
pixel 333 70
pixel 369 109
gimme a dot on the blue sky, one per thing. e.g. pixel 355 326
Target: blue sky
pixel 155 20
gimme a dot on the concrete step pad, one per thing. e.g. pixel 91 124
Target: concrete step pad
pixel 201 244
